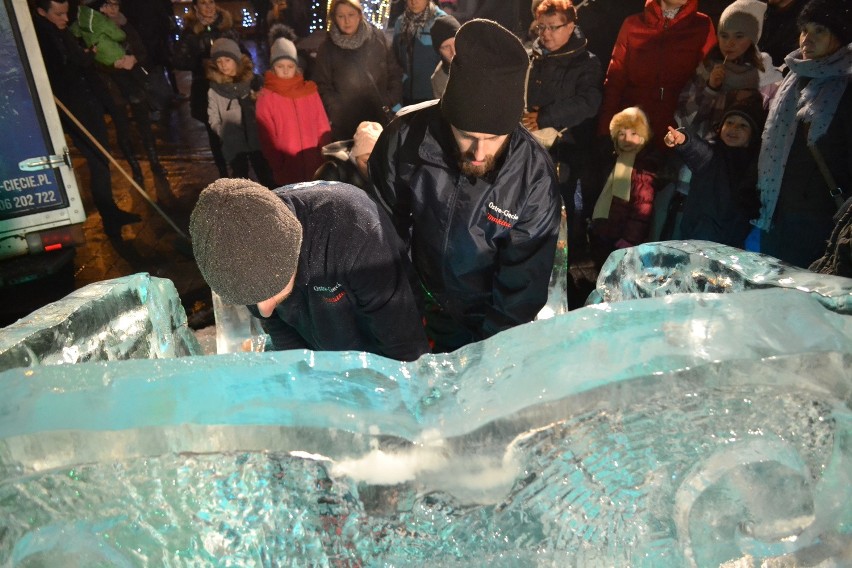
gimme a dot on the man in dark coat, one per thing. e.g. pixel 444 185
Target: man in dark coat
pixel 319 263
pixel 472 193
pixel 73 80
pixel 780 34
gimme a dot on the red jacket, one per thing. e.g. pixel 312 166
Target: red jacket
pixel 652 61
pixel 292 132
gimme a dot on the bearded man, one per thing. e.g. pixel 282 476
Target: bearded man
pixel 472 193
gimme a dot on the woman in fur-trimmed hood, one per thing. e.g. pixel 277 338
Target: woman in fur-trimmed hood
pixel 231 109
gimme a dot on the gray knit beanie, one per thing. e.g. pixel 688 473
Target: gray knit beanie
pixel 283 48
pixel 245 239
pixel 224 47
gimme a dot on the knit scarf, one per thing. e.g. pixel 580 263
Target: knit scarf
pixel 814 104
pixel 293 88
pixel 617 185
pixel 232 91
pixel 412 24
pixel 353 41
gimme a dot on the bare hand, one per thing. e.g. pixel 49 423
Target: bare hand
pixel 530 120
pixel 674 138
pixel 717 76
pixel 125 62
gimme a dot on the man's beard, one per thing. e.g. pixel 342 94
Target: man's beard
pixel 468 169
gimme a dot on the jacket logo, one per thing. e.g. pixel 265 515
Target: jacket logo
pixel 331 294
pixel 502 217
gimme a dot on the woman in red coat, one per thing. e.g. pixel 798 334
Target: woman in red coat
pixel 654 57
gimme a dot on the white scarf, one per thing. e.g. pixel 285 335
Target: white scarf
pixel 617 185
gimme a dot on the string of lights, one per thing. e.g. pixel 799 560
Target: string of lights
pixel 377 12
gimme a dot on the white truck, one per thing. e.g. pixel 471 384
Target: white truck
pixel 41 213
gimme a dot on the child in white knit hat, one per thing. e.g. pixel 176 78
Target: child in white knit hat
pixel 734 64
pixel 346 160
pixel 292 123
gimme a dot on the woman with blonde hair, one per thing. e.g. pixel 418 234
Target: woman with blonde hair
pixel 356 73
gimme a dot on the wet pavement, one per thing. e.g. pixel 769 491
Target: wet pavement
pixel 153 245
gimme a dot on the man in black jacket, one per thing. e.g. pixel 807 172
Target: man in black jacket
pixel 73 80
pixel 472 193
pixel 319 262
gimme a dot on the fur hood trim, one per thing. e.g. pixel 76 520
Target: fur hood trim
pixel 224 21
pixel 245 72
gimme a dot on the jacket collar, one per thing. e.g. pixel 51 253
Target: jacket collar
pixel 576 45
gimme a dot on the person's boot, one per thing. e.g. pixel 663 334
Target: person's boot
pixel 153 159
pixel 136 169
pixel 115 219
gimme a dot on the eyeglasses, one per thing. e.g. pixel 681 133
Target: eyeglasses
pixel 540 28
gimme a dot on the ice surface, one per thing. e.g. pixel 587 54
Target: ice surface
pixel 134 317
pixel 237 331
pixel 670 267
pixel 694 429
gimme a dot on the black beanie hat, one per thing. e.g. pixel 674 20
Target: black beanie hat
pixel 488 78
pixel 836 15
pixel 750 108
pixel 443 29
pixel 246 241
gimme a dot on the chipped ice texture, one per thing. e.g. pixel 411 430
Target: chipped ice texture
pixel 134 317
pixel 671 267
pixel 686 430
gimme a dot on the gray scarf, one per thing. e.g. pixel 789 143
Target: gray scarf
pixel 353 41
pixel 412 23
pixel 815 105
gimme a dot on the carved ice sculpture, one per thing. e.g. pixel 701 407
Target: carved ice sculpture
pixel 684 430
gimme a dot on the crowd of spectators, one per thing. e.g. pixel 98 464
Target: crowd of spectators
pixel 727 121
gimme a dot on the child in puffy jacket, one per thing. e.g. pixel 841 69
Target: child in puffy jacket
pixel 723 195
pixel 231 109
pixel 622 214
pixel 291 120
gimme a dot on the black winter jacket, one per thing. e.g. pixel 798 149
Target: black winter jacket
pixel 352 288
pixel 355 84
pixel 566 86
pixel 723 192
pixel 482 248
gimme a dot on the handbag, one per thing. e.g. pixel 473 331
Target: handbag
pixel 833 189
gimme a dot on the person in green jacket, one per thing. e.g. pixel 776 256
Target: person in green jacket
pixel 119 52
pixel 103 36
